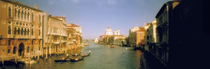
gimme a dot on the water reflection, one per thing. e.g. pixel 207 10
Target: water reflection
pixel 102 57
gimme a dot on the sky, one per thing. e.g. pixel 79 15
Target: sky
pixel 94 16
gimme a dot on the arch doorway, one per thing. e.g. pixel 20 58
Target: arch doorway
pixel 21 49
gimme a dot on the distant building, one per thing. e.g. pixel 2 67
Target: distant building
pixel 111 38
pixel 108 31
pixel 136 37
pixel 116 32
pixel 140 37
pixel 96 40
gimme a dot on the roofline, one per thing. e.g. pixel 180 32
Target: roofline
pixel 164 7
pixel 18 3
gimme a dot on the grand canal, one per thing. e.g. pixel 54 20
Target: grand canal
pixel 102 57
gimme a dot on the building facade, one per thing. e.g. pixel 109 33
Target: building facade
pixel 150 36
pixel 111 37
pixel 136 37
pixel 74 38
pixel 28 32
pixel 21 30
pixel 56 36
pixel 164 19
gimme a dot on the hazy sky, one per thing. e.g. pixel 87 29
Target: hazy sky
pixel 94 16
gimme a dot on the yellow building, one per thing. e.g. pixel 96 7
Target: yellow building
pixel 140 34
pixel 74 38
pixel 21 30
pixel 56 36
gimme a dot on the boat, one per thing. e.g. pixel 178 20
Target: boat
pixel 75 59
pixel 86 44
pixel 26 61
pixel 85 55
pixel 63 60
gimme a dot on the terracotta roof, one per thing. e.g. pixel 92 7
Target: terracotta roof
pixel 141 29
pixel 72 25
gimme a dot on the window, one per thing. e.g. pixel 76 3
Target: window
pixel 18 13
pixel 32 17
pixel 9 13
pixel 28 16
pixel 28 49
pixel 22 14
pixel 25 32
pixel 39 32
pixel 8 51
pixel 28 32
pixel 25 15
pixel 22 31
pixel 15 30
pixel 9 30
pixel 32 31
pixel 18 31
pixel 14 50
pixel 15 12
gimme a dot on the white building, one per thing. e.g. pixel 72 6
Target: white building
pixel 108 31
pixel 96 40
pixel 117 32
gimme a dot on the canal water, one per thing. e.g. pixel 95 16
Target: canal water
pixel 102 57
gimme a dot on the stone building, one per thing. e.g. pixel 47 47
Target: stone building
pixel 74 38
pixel 111 37
pixel 56 35
pixel 21 30
pixel 136 37
pixel 150 35
pixel 164 23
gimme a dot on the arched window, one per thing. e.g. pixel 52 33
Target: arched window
pixel 15 30
pixel 39 32
pixel 28 32
pixel 28 16
pixel 22 31
pixel 9 30
pixel 25 32
pixel 18 31
pixel 8 51
pixel 15 12
pixel 25 15
pixel 14 50
pixel 22 14
pixel 32 17
pixel 18 13
pixel 9 13
pixel 28 49
pixel 32 31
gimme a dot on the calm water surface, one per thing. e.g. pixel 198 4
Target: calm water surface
pixel 102 57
